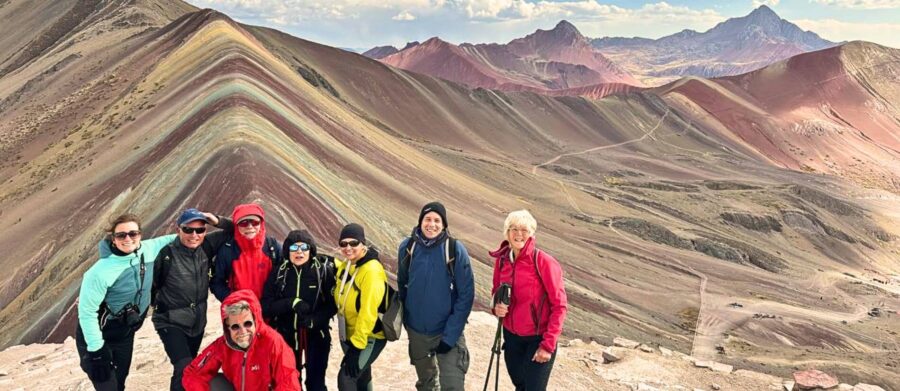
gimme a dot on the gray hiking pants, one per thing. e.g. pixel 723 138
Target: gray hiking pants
pixel 445 372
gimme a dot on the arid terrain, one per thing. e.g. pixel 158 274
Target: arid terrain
pixel 751 220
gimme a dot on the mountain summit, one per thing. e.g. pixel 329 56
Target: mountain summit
pixel 732 47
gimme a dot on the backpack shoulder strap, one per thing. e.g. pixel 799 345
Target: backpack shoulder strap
pixel 407 257
pixel 450 254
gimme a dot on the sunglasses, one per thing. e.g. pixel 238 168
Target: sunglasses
pixel 191 230
pixel 122 235
pixel 247 223
pixel 235 327
pixel 298 247
pixel 350 243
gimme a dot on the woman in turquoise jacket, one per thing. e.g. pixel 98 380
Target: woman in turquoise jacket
pixel 112 304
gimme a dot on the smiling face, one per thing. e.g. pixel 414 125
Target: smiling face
pixel 299 256
pixel 249 226
pixel 352 249
pixel 432 225
pixel 193 238
pixel 127 237
pixel 238 329
pixel 517 236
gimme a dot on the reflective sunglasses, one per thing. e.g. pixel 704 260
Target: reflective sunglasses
pixel 247 223
pixel 235 327
pixel 190 230
pixel 122 235
pixel 351 243
pixel 299 247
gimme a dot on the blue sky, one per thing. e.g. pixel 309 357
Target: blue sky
pixel 368 23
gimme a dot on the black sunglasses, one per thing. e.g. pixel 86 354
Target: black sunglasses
pixel 247 223
pixel 299 247
pixel 235 327
pixel 191 230
pixel 122 235
pixel 351 243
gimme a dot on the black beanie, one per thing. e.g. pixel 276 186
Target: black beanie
pixel 298 236
pixel 435 207
pixel 353 231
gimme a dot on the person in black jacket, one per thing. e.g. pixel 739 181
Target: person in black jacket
pixel 298 298
pixel 181 286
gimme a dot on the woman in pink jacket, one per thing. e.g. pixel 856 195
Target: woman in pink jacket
pixel 533 320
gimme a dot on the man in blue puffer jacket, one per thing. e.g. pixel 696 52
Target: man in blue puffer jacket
pixel 437 288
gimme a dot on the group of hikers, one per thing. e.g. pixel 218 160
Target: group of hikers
pixel 278 300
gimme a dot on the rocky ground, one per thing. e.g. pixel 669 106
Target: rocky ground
pixel 579 365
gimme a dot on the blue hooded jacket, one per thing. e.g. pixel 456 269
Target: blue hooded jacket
pixel 430 305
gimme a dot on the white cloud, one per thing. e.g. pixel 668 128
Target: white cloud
pixel 861 4
pixel 834 30
pixel 404 16
pixel 770 3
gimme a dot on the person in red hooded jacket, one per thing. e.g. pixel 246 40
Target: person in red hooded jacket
pixel 245 262
pixel 252 355
pixel 533 320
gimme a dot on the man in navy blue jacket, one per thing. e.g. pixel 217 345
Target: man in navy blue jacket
pixel 437 288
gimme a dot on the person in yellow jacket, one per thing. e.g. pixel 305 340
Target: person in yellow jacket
pixel 359 292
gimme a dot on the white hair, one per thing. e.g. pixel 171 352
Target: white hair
pixel 520 218
pixel 237 308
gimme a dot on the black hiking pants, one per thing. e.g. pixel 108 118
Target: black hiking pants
pixel 121 350
pixel 314 359
pixel 526 375
pixel 181 349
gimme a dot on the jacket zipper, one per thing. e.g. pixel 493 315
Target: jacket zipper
pixel 243 371
pixel 296 330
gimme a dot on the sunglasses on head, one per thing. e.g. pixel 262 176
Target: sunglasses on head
pixel 235 327
pixel 351 243
pixel 191 230
pixel 122 235
pixel 247 223
pixel 299 247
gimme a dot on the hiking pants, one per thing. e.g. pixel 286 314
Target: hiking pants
pixel 445 372
pixel 181 349
pixel 526 375
pixel 121 350
pixel 318 346
pixel 368 355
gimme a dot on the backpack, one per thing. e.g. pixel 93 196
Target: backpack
pixel 324 267
pixel 449 257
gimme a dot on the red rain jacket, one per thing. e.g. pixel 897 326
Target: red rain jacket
pixel 268 364
pixel 531 311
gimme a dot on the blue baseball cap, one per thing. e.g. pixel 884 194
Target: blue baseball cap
pixel 191 214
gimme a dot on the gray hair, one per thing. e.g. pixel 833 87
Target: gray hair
pixel 520 218
pixel 237 308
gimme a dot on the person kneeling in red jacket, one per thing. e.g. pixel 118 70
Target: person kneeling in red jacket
pixel 252 355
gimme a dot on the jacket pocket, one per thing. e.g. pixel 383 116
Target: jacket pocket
pixel 463 361
pixel 184 317
pixel 535 318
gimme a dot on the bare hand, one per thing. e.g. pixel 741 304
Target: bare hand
pixel 211 218
pixel 501 310
pixel 541 356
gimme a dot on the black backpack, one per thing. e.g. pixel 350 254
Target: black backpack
pixel 324 267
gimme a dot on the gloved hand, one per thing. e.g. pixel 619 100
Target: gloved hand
pixel 442 348
pixel 351 361
pixel 301 307
pixel 99 365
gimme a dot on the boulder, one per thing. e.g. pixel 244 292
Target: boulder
pixel 665 352
pixel 845 387
pixel 866 387
pixel 574 343
pixel 646 349
pixel 625 343
pixel 612 354
pixel 812 378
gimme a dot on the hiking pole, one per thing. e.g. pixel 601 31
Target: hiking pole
pixel 502 297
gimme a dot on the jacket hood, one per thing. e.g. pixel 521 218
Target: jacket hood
pixel 370 254
pixel 245 210
pixel 298 236
pixel 255 308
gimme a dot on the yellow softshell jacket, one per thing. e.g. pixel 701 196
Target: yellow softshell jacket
pixel 360 300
